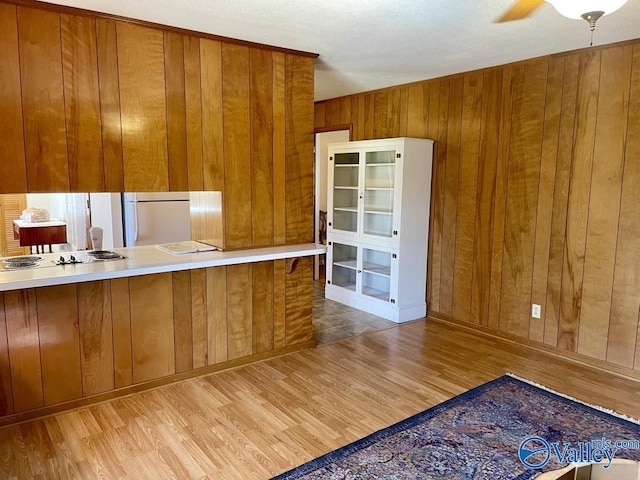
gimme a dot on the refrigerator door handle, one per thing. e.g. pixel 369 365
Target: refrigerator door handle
pixel 135 222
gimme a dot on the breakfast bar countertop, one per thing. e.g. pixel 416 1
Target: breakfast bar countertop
pixel 142 261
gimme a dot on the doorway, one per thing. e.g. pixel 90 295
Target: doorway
pixel 322 141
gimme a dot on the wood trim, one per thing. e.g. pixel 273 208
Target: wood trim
pixel 184 31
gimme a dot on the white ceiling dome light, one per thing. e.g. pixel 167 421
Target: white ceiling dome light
pixel 579 8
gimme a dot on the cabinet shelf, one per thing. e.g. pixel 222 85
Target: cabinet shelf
pixel 383 270
pixel 346 209
pixel 347 165
pixel 379 294
pixel 381 164
pixel 348 286
pixel 345 187
pixel 378 212
pixel 388 189
pixel 350 264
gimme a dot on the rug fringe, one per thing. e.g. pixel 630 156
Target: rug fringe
pixel 569 397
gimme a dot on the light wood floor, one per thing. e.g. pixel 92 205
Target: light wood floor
pixel 259 420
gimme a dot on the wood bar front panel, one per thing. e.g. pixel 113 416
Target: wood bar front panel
pixel 72 342
pixel 535 175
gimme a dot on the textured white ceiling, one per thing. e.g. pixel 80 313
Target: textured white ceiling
pixel 368 44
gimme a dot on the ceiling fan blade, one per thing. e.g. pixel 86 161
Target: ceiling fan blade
pixel 520 9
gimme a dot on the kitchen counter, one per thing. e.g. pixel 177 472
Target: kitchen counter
pixel 142 261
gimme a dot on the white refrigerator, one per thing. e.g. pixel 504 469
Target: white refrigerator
pixel 153 218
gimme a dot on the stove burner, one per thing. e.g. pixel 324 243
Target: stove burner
pixel 21 262
pixel 27 258
pixel 104 255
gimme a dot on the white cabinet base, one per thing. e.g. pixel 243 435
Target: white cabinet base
pixel 375 307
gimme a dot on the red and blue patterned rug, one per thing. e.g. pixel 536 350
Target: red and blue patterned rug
pixel 504 429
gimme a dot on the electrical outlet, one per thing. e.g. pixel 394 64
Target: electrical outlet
pixel 535 310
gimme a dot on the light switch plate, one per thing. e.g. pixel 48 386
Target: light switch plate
pixel 535 310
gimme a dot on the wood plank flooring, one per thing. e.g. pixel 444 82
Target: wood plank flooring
pixel 259 420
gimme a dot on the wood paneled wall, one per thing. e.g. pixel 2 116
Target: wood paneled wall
pixel 72 342
pixel 97 104
pixel 536 189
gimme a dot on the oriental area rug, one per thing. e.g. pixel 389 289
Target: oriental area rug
pixel 505 429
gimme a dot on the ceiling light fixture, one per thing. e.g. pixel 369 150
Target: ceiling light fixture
pixel 589 10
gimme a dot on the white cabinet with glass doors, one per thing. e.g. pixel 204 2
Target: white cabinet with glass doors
pixel 378 220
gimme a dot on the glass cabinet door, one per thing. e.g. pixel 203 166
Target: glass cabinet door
pixel 379 184
pixel 346 185
pixel 376 274
pixel 344 259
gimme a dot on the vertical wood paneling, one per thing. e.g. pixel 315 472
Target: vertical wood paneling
pixel 604 202
pixel 6 395
pixel 466 208
pixel 121 317
pixel 318 115
pixel 623 348
pixel 144 109
pixel 345 111
pixel 182 318
pixel 59 346
pixel 358 117
pixel 394 114
pixel 545 195
pixel 13 173
pixel 217 319
pixel 237 146
pixel 432 90
pixel 299 149
pixel 199 317
pixel 499 201
pixel 110 119
pixel 299 299
pixel 380 114
pixel 522 195
pixel 24 349
pixel 438 95
pixel 96 337
pixel 262 306
pixel 368 125
pixel 43 100
pixel 212 125
pixel 279 304
pixel 193 112
pixel 262 175
pixel 487 165
pixel 174 72
pixel 418 110
pixel 578 204
pixel 240 310
pixel 451 195
pixel 152 330
pixel 404 111
pixel 82 103
pixel 279 150
pixel 560 199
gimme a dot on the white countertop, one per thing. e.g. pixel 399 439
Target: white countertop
pixel 143 261
pixel 51 223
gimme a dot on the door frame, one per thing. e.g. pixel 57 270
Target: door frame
pixel 317 181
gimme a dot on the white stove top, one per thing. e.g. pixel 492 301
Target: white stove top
pixel 60 260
